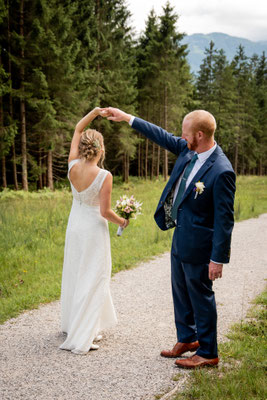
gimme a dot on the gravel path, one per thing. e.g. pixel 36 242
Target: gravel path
pixel 127 365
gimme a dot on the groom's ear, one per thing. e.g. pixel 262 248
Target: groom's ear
pixel 200 134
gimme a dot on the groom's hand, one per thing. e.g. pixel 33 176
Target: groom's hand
pixel 114 114
pixel 215 271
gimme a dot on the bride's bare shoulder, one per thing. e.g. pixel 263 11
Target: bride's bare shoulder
pixel 108 179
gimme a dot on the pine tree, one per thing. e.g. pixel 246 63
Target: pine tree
pixel 4 89
pixel 219 98
pixel 164 77
pixel 12 123
pixel 148 96
pixel 260 74
pixel 113 67
pixel 206 78
pixel 57 98
pixel 174 76
pixel 246 124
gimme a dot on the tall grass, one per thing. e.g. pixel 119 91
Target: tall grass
pixel 32 234
pixel 251 197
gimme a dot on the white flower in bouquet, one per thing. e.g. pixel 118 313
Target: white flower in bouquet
pixel 127 207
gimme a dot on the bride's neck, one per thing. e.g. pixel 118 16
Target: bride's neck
pixel 91 163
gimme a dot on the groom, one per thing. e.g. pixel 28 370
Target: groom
pixel 198 201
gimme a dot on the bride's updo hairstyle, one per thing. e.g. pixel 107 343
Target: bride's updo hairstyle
pixel 91 144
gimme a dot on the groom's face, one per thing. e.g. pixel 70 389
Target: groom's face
pixel 189 136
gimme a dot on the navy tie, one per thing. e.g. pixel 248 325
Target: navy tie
pixel 181 189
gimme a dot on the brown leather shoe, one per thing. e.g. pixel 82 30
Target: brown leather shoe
pixel 197 362
pixel 179 349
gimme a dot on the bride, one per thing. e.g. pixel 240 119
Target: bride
pixel 86 303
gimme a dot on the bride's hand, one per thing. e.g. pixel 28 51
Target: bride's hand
pixel 125 223
pixel 114 114
pixel 96 111
pixel 103 112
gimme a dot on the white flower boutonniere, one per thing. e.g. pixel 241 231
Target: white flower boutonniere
pixel 199 188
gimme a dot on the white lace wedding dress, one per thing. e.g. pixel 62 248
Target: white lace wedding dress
pixel 86 303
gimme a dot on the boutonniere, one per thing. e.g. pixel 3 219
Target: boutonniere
pixel 199 188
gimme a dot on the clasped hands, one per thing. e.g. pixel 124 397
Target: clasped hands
pixel 112 114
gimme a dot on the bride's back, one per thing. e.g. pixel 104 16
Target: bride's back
pixel 86 182
pixel 82 175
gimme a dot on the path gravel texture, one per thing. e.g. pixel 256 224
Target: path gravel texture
pixel 128 364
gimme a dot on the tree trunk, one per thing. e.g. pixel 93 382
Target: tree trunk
pixel 3 160
pixel 152 161
pixel 124 167
pixel 158 162
pixel 50 182
pixel 243 163
pixel 4 181
pixel 236 158
pixel 260 171
pixel 127 167
pixel 165 162
pixel 99 30
pixel 22 106
pixel 44 174
pixel 141 161
pixel 14 163
pixel 146 159
pixel 139 157
pixel 40 179
pixel 15 175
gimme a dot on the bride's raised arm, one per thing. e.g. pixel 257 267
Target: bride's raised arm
pixel 82 124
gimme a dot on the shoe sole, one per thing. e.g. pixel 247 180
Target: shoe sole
pixel 197 366
pixel 180 354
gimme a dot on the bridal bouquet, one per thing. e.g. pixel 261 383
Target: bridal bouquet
pixel 127 208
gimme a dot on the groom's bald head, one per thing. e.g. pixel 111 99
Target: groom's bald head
pixel 201 120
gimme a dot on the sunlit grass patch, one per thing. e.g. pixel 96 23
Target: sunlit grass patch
pixel 251 197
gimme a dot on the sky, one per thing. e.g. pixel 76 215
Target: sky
pixel 242 18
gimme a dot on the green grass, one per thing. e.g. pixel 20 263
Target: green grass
pixel 32 234
pixel 242 374
pixel 251 197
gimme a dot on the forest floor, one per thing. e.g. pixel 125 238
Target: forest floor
pixel 128 364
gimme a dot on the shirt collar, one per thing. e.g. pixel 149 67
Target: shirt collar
pixel 205 155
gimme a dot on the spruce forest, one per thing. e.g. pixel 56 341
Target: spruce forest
pixel 61 58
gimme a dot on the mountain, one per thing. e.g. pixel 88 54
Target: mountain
pixel 198 42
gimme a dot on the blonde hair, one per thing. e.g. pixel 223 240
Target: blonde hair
pixel 202 120
pixel 91 144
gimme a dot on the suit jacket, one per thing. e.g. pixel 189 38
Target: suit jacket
pixel 205 223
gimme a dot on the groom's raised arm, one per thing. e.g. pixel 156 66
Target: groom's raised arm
pixel 153 132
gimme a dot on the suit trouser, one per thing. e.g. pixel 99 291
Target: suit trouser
pixel 194 304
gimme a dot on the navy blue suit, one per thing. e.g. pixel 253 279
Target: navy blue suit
pixel 202 233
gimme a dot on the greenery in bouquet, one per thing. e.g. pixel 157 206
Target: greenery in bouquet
pixel 128 207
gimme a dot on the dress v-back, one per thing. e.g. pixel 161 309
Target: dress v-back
pixel 86 303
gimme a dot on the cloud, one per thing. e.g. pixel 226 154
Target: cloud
pixel 238 18
pixel 234 17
